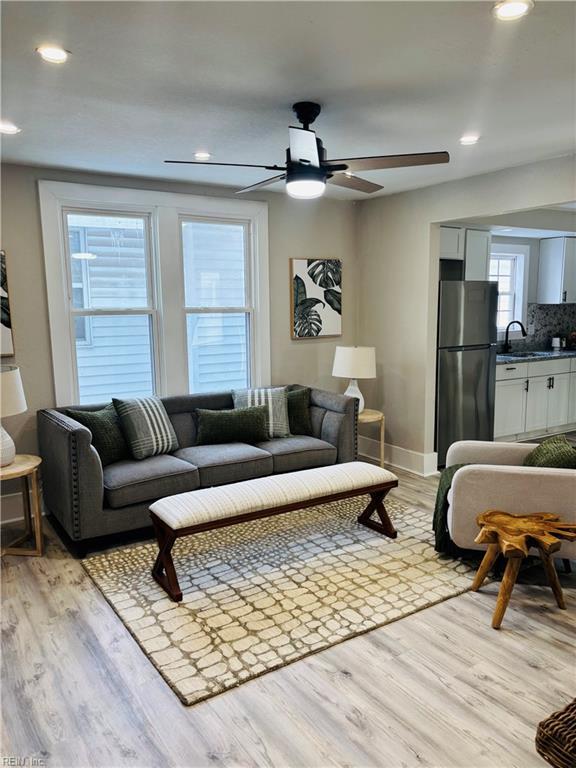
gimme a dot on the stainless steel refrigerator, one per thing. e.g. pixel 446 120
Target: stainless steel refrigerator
pixel 466 363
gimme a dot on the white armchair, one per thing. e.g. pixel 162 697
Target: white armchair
pixel 497 479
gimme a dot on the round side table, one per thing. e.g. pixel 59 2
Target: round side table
pixel 26 467
pixel 373 417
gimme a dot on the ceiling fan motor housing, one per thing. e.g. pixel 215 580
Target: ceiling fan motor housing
pixel 306 112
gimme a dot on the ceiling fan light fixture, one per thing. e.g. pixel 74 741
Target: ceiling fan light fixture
pixel 305 183
pixel 305 189
pixel 510 10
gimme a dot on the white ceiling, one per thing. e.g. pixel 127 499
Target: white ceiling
pixel 155 80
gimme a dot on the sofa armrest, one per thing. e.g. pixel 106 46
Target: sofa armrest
pixel 335 420
pixel 517 490
pixel 484 452
pixel 72 480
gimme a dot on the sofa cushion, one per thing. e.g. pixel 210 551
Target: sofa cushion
pixel 554 452
pixel 107 437
pixel 238 425
pixel 132 482
pixel 299 452
pixel 299 411
pixel 274 398
pixel 146 425
pixel 227 462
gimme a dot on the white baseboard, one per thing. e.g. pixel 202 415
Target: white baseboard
pixel 12 508
pixel 423 464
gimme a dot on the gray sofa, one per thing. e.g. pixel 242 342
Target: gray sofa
pixel 90 501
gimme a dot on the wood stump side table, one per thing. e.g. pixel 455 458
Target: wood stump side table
pixel 513 536
pixel 25 466
pixel 369 416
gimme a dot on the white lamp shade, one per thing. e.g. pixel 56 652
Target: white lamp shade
pixel 354 363
pixel 12 399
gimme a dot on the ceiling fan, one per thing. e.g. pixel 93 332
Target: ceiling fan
pixel 307 170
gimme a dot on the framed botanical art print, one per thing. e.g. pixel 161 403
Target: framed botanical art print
pixel 6 339
pixel 316 298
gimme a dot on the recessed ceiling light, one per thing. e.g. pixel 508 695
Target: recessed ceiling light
pixel 469 139
pixel 510 10
pixel 9 128
pixel 53 54
pixel 202 155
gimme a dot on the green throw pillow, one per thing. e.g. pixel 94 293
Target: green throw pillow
pixel 274 398
pixel 241 425
pixel 107 437
pixel 299 411
pixel 146 425
pixel 555 452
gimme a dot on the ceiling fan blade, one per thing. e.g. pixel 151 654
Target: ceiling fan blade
pixel 390 161
pixel 303 147
pixel 228 165
pixel 252 187
pixel 354 182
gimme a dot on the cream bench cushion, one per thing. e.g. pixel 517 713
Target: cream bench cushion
pixel 209 504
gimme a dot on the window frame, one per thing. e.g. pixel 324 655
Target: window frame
pixel 521 254
pixel 164 209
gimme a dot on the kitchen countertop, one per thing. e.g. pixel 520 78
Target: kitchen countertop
pixel 532 356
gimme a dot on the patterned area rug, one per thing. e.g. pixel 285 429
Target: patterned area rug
pixel 263 594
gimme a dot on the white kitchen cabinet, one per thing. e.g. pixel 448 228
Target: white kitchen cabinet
pixel 534 397
pixel 537 404
pixel 572 396
pixel 558 401
pixel 510 407
pixel 557 271
pixel 477 254
pixel 452 240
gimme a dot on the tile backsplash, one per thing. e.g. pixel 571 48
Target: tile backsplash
pixel 548 320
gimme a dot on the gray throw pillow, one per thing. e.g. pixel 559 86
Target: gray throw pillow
pixel 274 398
pixel 145 423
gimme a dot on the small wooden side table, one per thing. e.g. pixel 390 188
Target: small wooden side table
pixel 26 467
pixel 513 536
pixel 373 417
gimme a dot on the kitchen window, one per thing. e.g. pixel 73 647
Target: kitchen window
pixel 154 292
pixel 509 268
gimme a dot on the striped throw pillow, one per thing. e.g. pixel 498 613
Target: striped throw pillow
pixel 145 423
pixel 275 400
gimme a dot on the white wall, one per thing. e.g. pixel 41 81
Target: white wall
pixel 398 250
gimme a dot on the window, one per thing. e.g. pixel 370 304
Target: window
pixel 153 292
pixel 509 268
pixel 503 272
pixel 218 304
pixel 108 258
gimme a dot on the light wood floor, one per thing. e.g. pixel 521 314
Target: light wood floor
pixel 439 688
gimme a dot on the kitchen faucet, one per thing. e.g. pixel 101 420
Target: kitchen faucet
pixel 507 346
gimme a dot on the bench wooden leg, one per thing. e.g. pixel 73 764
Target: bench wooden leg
pixel 163 570
pixel 376 505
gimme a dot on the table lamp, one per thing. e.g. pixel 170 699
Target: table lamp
pixel 355 363
pixel 12 401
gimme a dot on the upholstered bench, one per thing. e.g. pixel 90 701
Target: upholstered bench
pixel 188 513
